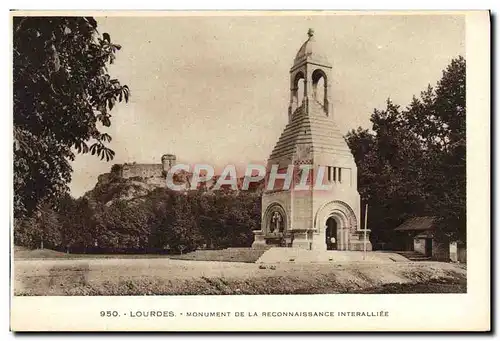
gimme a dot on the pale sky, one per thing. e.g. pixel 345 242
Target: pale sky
pixel 216 89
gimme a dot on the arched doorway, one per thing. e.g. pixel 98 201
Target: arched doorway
pixel 331 234
pixel 340 220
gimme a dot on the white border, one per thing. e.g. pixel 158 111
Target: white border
pixel 482 143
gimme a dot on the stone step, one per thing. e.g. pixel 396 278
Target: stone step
pixel 296 255
pixel 413 255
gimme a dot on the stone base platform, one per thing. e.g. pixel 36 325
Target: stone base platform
pixel 296 255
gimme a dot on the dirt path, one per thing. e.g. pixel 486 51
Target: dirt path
pixel 178 277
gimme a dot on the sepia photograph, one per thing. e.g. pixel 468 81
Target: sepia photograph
pixel 227 153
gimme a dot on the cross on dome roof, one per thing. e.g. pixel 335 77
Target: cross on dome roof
pixel 311 50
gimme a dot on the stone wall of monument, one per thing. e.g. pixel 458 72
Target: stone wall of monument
pixel 302 210
pixel 141 170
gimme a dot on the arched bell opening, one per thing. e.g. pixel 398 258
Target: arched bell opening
pixel 320 88
pixel 297 92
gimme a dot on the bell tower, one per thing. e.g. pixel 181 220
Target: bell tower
pixel 311 69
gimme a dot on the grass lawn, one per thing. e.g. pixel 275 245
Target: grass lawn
pixel 244 255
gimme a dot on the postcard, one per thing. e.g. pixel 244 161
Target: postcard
pixel 250 171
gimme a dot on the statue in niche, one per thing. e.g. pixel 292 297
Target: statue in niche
pixel 276 223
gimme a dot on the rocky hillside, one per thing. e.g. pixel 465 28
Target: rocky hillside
pixel 110 188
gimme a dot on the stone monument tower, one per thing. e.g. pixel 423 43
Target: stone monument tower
pixel 313 219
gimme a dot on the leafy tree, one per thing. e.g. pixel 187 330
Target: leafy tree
pixel 43 230
pixel 63 96
pixel 122 226
pixel 66 209
pixel 413 161
pixel 183 234
pixel 389 171
pixel 441 127
pixel 160 203
pixel 86 216
pixel 25 233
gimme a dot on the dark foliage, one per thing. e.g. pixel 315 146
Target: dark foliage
pixel 163 221
pixel 412 163
pixel 63 94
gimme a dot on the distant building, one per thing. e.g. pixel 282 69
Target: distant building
pixel 420 237
pixel 145 170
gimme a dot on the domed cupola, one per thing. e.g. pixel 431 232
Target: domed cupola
pixel 311 51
